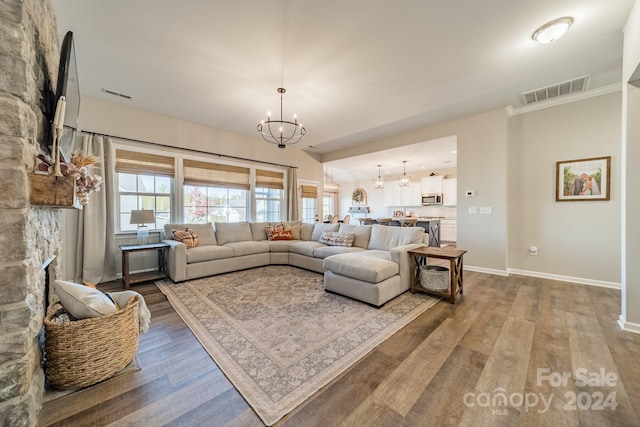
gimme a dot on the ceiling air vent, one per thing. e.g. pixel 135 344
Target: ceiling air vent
pixel 553 91
pixel 114 93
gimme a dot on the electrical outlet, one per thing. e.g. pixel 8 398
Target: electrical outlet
pixel 473 210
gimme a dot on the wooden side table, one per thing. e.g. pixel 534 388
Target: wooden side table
pixel 418 257
pixel 160 273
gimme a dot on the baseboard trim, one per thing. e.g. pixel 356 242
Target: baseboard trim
pixel 570 279
pixel 486 270
pixel 628 326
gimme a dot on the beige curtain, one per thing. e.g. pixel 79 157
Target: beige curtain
pixel 292 196
pixel 95 250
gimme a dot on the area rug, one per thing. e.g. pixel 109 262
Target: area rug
pixel 278 336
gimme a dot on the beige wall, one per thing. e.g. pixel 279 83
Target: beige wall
pixel 574 239
pixel 630 317
pixel 123 121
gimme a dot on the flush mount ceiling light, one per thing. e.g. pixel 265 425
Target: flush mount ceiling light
pixel 281 132
pixel 378 184
pixel 404 180
pixel 552 31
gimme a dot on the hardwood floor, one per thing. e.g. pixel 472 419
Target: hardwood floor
pixel 506 338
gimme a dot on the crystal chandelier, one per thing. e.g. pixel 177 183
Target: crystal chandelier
pixel 281 132
pixel 404 180
pixel 378 184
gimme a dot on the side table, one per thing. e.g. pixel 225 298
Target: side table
pixel 160 273
pixel 418 257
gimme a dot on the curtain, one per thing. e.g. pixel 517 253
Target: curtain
pixel 292 194
pixel 95 250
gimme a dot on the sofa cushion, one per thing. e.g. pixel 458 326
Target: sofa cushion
pixel 208 253
pixel 280 245
pixel 228 232
pixel 306 231
pixel 204 231
pixel 357 266
pixel 187 236
pixel 318 229
pixel 247 247
pixel 326 251
pixel 259 230
pixel 334 238
pixel 362 233
pixel 304 248
pixel 386 237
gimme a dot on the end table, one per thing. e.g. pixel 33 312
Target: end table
pixel 160 273
pixel 418 257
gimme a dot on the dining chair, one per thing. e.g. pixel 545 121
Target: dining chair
pixel 383 221
pixel 347 219
pixel 408 222
pixel 334 219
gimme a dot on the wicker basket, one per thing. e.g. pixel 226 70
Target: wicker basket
pixel 434 278
pixel 84 352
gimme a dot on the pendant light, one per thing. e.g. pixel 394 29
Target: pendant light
pixel 404 180
pixel 281 132
pixel 378 184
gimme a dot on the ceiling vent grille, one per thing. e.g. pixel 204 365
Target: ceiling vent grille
pixel 114 93
pixel 556 90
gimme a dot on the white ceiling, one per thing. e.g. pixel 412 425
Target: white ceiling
pixel 354 70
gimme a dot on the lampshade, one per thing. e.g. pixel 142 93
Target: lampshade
pixel 144 216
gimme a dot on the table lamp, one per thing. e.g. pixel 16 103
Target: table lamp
pixel 142 217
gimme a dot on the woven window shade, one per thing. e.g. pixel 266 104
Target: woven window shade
pixel 205 173
pixel 269 179
pixel 150 164
pixel 309 191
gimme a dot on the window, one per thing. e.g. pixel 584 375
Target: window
pixel 328 205
pixel 214 192
pixel 269 195
pixel 309 197
pixel 145 181
pixel 204 204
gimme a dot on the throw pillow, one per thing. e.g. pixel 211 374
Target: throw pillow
pixel 333 238
pixel 188 237
pixel 272 228
pixel 281 235
pixel 295 230
pixel 82 301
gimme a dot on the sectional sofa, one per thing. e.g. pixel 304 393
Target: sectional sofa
pixel 365 262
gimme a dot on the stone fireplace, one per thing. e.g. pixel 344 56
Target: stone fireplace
pixel 29 55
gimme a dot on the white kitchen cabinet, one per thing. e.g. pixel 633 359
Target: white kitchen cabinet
pixel 450 192
pixel 432 184
pixel 448 232
pixel 395 196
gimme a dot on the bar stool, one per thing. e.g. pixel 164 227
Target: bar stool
pixel 408 222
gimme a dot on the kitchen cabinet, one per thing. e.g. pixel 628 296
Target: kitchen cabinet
pixel 448 232
pixel 394 195
pixel 450 192
pixel 432 184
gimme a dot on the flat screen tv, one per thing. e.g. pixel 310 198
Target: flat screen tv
pixel 69 88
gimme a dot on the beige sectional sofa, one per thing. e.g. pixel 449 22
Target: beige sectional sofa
pixel 374 269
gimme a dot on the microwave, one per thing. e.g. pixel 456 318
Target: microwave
pixel 432 199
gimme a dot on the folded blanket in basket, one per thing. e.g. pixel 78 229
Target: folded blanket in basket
pixel 121 298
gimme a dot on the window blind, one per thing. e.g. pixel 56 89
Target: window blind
pixel 143 163
pixel 204 173
pixel 309 191
pixel 269 179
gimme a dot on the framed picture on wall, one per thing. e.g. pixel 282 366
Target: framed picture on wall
pixel 583 179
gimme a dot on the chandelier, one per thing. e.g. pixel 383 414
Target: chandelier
pixel 281 132
pixel 378 184
pixel 404 180
pixel 329 185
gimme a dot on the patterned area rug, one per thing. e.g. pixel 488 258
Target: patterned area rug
pixel 278 336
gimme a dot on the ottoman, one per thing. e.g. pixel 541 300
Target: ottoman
pixel 366 278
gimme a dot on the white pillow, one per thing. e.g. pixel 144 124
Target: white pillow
pixel 82 301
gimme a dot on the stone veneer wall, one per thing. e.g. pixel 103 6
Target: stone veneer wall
pixel 29 53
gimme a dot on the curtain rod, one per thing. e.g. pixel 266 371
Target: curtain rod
pixel 157 144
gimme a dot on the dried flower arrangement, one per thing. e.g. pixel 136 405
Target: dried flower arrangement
pixel 78 168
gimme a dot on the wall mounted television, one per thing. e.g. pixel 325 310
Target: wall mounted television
pixel 68 87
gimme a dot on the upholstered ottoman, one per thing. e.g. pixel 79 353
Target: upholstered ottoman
pixel 361 276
